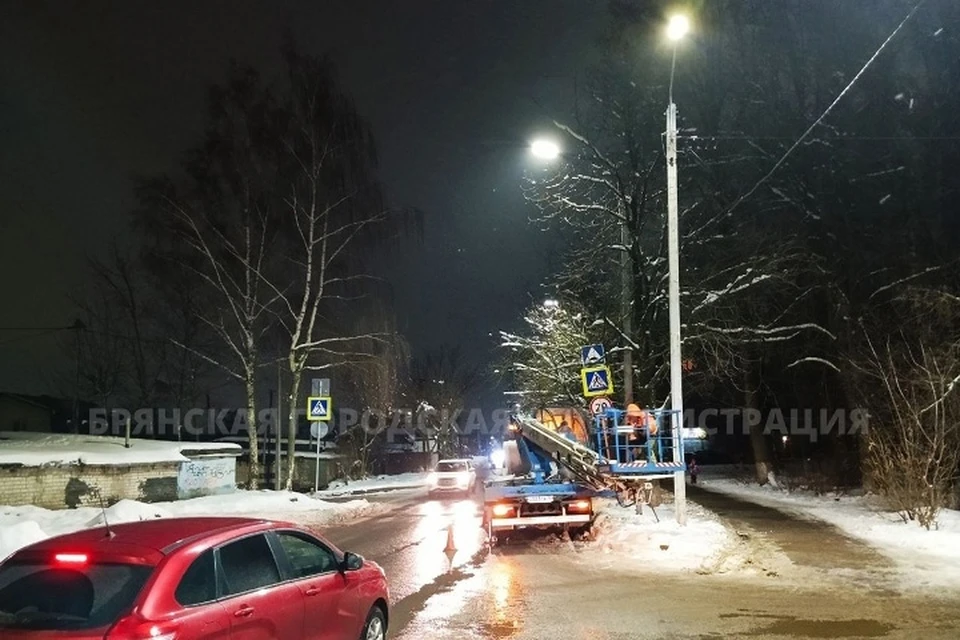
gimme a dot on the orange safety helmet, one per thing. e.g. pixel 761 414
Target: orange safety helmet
pixel 640 418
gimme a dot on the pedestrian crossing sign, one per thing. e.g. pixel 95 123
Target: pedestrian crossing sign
pixel 319 409
pixel 597 381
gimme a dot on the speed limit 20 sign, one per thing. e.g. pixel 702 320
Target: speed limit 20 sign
pixel 600 405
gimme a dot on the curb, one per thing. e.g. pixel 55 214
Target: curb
pixel 363 492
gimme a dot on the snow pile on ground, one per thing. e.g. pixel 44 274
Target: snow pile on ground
pixel 926 558
pixel 20 526
pixel 626 536
pixel 37 449
pixel 19 534
pixel 375 485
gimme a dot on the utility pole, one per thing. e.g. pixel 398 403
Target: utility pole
pixel 626 308
pixel 278 468
pixel 673 250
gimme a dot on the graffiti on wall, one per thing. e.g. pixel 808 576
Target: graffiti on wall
pixel 207 476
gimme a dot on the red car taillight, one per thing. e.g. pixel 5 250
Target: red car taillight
pixel 71 558
pixel 136 628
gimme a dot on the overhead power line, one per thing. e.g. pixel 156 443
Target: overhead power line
pixel 826 112
pixel 695 138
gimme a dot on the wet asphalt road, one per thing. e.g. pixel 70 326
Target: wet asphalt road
pixel 408 536
pixel 796 579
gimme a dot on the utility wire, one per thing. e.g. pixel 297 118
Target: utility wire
pixel 696 138
pixel 819 120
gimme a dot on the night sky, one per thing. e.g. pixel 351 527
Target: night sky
pixel 93 93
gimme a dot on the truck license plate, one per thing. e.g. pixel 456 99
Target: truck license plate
pixel 539 499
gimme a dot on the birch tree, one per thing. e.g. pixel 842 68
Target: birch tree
pixel 334 222
pixel 215 224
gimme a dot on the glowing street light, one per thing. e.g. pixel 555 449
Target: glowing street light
pixel 545 149
pixel 678 27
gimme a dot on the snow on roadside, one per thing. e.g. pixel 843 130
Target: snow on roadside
pixel 374 485
pixel 37 449
pixel 925 558
pixel 700 545
pixel 20 526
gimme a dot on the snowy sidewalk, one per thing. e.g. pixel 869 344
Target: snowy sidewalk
pixel 640 540
pixel 20 526
pixel 921 558
pixel 380 484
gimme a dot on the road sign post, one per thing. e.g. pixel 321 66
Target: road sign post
pixel 319 412
pixel 318 430
pixel 320 387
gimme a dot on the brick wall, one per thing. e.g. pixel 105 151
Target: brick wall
pixel 70 486
pixel 303 476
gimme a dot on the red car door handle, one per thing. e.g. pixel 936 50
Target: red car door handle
pixel 312 591
pixel 243 612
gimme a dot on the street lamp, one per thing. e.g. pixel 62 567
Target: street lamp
pixel 677 28
pixel 545 149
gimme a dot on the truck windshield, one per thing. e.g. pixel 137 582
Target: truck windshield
pixel 446 467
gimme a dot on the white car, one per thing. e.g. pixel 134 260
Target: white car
pixel 452 476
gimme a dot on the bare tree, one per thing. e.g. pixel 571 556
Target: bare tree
pixel 911 382
pixel 101 350
pixel 215 225
pixel 333 221
pixel 441 382
pixel 376 386
pixel 126 355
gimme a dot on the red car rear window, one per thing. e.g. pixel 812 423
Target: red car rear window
pixel 70 595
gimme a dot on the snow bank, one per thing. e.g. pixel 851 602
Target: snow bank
pixel 373 485
pixel 128 511
pixel 37 449
pixel 20 526
pixel 627 536
pixel 924 558
pixel 19 534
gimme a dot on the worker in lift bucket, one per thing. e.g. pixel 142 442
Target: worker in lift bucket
pixel 644 432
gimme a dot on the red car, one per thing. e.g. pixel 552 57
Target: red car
pixel 191 579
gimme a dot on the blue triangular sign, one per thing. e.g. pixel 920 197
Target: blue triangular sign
pixel 597 382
